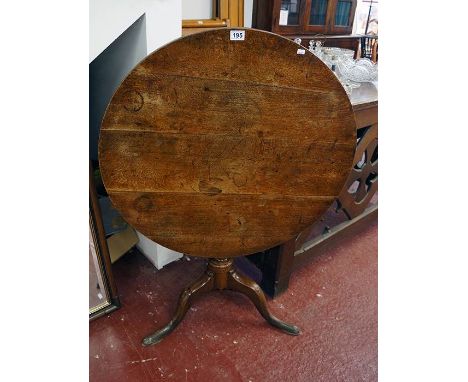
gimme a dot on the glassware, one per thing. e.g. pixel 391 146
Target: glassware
pixel 351 73
pixel 312 46
pixel 362 70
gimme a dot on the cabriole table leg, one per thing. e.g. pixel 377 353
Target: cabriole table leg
pixel 204 284
pixel 220 274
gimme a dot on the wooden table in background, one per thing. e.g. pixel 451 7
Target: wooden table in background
pixel 354 208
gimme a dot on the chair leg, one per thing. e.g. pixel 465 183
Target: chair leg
pixel 250 288
pixel 204 284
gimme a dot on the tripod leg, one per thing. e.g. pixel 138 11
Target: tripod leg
pixel 250 288
pixel 204 284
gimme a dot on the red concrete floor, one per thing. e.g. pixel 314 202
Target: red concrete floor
pixel 333 299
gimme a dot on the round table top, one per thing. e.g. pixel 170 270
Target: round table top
pixel 219 148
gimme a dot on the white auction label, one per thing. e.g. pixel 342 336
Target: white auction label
pixel 237 35
pixel 283 20
pixel 301 51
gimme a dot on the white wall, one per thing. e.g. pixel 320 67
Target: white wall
pixel 197 9
pixel 109 18
pixel 248 7
pixel 163 22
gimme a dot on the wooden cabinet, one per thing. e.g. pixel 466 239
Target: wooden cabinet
pixel 295 17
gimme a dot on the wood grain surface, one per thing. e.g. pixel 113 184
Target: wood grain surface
pixel 220 148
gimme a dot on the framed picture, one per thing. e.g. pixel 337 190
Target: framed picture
pixel 103 297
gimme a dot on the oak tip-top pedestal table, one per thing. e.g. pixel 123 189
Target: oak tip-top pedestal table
pixel 222 144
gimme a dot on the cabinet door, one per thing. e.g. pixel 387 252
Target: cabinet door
pixel 318 15
pixel 288 16
pixel 342 16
